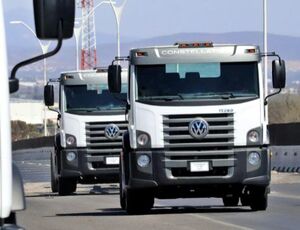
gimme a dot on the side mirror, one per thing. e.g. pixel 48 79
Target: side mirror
pixel 114 78
pixel 49 95
pixel 278 74
pixel 13 85
pixel 49 13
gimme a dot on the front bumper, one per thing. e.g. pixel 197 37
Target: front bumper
pixel 88 166
pixel 172 172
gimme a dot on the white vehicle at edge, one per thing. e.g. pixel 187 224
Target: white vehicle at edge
pixel 59 27
pixel 197 124
pixel 91 123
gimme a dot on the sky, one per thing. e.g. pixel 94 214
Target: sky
pixel 151 18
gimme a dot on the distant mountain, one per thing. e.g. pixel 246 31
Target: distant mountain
pixel 288 47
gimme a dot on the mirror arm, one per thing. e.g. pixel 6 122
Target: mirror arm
pixel 124 58
pixel 54 110
pixel 271 95
pixel 271 54
pixel 40 57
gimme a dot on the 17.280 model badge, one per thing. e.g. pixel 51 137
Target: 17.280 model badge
pixel 198 128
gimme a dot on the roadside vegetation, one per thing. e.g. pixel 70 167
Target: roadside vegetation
pixel 284 108
pixel 21 130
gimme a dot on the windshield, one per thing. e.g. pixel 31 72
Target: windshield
pixel 197 81
pixel 93 97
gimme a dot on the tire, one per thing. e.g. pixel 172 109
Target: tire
pixel 259 199
pixel 138 201
pixel 122 195
pixel 231 201
pixel 11 220
pixel 66 186
pixel 245 197
pixel 54 184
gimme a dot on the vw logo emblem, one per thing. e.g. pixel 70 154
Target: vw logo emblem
pixel 198 128
pixel 112 131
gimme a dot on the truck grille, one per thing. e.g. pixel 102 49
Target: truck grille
pixel 216 148
pixel 99 146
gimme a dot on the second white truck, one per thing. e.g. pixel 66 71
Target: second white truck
pixel 91 122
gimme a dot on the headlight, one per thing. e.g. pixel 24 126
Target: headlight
pixel 71 156
pixel 253 136
pixel 70 140
pixel 143 139
pixel 143 161
pixel 254 158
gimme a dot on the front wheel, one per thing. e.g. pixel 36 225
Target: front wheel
pixel 66 186
pixel 231 201
pixel 54 183
pixel 11 220
pixel 138 201
pixel 258 199
pixel 122 194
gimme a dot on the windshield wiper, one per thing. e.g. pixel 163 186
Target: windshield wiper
pixel 80 110
pixel 227 96
pixel 164 98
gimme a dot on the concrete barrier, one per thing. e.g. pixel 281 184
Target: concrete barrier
pixel 285 159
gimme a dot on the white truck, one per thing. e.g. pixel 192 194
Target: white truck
pixel 197 124
pixel 54 20
pixel 91 122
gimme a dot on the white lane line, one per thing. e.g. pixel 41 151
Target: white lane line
pixel 35 164
pixel 282 195
pixel 220 222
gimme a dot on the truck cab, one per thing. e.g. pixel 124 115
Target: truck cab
pixel 197 125
pixel 91 122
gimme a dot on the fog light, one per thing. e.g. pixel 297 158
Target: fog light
pixel 143 139
pixel 71 156
pixel 254 158
pixel 253 136
pixel 143 161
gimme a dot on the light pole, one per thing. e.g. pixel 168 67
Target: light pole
pixel 78 30
pixel 118 10
pixel 44 48
pixel 265 15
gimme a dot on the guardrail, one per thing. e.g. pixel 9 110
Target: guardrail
pixel 285 158
pixel 33 143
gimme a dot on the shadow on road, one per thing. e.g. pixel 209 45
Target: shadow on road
pixel 162 211
pixel 82 191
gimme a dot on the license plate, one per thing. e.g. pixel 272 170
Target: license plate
pixel 199 166
pixel 112 160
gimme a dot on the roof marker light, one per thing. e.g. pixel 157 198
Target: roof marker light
pixel 141 54
pixel 194 45
pixel 250 51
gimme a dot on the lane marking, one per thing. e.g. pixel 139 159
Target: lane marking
pixel 35 164
pixel 282 195
pixel 220 222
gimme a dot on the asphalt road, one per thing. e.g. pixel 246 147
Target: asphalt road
pixel 102 211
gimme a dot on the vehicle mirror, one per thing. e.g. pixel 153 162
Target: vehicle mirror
pixel 114 78
pixel 278 74
pixel 49 95
pixel 49 13
pixel 13 85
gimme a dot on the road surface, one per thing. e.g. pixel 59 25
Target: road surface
pixel 101 210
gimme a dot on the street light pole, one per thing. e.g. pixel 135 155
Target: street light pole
pixel 265 15
pixel 77 32
pixel 44 48
pixel 118 10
